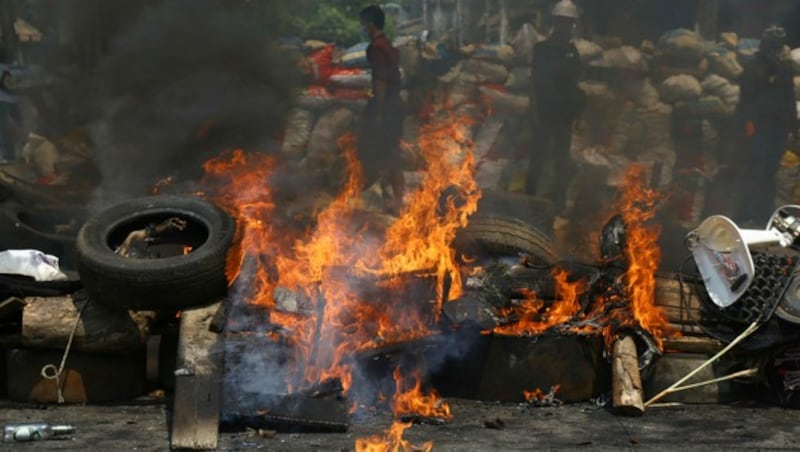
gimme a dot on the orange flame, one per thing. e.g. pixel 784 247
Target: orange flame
pixel 391 441
pixel 534 319
pixel 638 206
pixel 537 395
pixel 420 239
pixel 414 401
pixel 327 263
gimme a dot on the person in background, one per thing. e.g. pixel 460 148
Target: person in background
pixel 767 115
pixel 556 103
pixel 382 124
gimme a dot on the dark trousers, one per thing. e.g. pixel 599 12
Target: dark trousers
pixel 764 152
pixel 552 141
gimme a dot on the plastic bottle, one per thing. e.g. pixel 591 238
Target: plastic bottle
pixel 34 432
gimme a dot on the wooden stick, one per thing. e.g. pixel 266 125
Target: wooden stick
pixel 625 378
pixel 733 376
pixel 750 330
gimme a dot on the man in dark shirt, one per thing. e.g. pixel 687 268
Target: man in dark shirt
pixel 767 115
pixel 382 124
pixel 556 102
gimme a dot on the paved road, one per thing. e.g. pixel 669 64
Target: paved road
pixel 579 427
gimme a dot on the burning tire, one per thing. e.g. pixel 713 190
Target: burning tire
pixel 189 268
pixel 499 235
pixel 534 211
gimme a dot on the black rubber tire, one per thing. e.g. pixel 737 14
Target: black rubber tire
pixel 18 231
pixel 535 211
pixel 504 236
pixel 165 284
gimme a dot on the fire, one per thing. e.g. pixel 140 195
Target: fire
pixel 244 193
pixel 414 401
pixel 535 319
pixel 420 239
pixel 537 395
pixel 391 441
pixel 638 206
pixel 331 263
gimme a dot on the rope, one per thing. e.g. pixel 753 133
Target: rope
pixel 50 371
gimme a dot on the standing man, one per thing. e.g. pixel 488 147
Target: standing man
pixel 556 102
pixel 767 115
pixel 382 124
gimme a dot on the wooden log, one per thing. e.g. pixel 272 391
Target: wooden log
pixel 626 382
pixel 198 378
pixel 686 329
pixel 693 344
pixel 47 323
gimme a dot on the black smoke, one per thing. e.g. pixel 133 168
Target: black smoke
pixel 184 81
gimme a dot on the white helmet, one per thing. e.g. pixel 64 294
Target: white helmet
pixel 565 8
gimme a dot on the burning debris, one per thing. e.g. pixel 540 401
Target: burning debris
pixel 307 298
pixel 539 398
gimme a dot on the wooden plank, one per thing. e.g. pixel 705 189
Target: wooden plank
pixel 198 382
pixel 693 344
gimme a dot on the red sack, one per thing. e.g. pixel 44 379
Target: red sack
pixel 317 91
pixel 350 93
pixel 320 64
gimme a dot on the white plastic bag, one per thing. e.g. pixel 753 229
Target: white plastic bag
pixel 33 263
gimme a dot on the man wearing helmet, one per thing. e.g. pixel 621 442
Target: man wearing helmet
pixel 556 102
pixel 767 114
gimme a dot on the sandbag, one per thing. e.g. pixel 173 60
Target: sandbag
pixel 625 57
pixel 523 42
pixel 485 71
pixel 797 87
pixel 643 93
pixel 312 45
pixel 746 49
pixel 519 80
pixel 408 54
pixel 460 92
pixel 597 92
pixel 315 98
pixel 681 43
pixel 504 101
pixel 298 131
pixel 351 78
pixel 710 106
pixel 320 64
pixel 722 61
pixel 327 130
pixel 489 52
pixel 720 87
pixel 795 57
pixel 355 56
pixel 680 88
pixel 41 154
pixel 730 40
pixel 588 50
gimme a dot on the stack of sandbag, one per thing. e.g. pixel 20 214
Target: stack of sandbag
pixel 679 52
pixel 338 87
